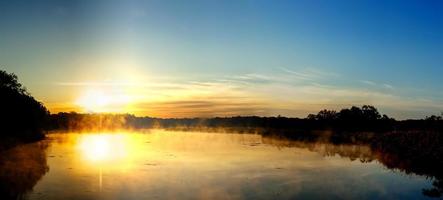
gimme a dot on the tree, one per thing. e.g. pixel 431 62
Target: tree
pixel 351 114
pixel 21 115
pixel 434 118
pixel 324 115
pixel 370 112
pixel 365 113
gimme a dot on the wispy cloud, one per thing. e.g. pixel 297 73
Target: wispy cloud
pixel 381 85
pixel 310 74
pixel 300 75
pixel 249 78
pixel 388 86
pixel 284 92
pixel 203 108
pixel 368 82
pixel 87 83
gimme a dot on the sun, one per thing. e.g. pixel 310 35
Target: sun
pixel 94 101
pixel 97 101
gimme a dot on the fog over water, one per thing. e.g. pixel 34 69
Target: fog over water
pixel 196 165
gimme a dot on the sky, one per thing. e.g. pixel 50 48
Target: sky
pixel 204 58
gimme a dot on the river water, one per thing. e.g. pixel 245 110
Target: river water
pixel 159 164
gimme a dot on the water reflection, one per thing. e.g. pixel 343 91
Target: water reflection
pixel 21 168
pixel 190 165
pixel 109 148
pixel 414 157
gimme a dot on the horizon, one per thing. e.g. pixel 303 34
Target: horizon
pixel 337 112
pixel 220 58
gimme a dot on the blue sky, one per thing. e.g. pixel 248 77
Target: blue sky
pixel 283 57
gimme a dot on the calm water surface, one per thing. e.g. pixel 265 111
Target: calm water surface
pixel 161 164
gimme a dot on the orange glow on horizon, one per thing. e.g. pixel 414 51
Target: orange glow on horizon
pixel 100 101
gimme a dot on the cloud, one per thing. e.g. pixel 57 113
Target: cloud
pixel 383 85
pixel 253 78
pixel 301 75
pixel 202 108
pixel 310 74
pixel 368 82
pixel 388 86
pixel 258 94
pixel 86 83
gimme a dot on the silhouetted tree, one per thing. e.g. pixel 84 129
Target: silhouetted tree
pixel 370 113
pixel 434 118
pixel 436 191
pixel 324 115
pixel 365 113
pixel 351 114
pixel 21 116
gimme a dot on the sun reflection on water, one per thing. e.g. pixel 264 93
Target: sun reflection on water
pixel 102 147
pixel 109 151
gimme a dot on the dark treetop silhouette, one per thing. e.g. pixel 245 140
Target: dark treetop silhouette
pixel 22 118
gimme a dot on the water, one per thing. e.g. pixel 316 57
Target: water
pixel 161 164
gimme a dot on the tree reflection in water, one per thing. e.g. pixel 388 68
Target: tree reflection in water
pixel 21 167
pixel 419 153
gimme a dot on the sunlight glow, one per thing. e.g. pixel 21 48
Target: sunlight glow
pixel 103 147
pixel 101 101
pixel 109 150
pixel 93 101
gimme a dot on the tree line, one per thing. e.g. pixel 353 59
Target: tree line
pixel 365 118
pixel 24 117
pixel 21 115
